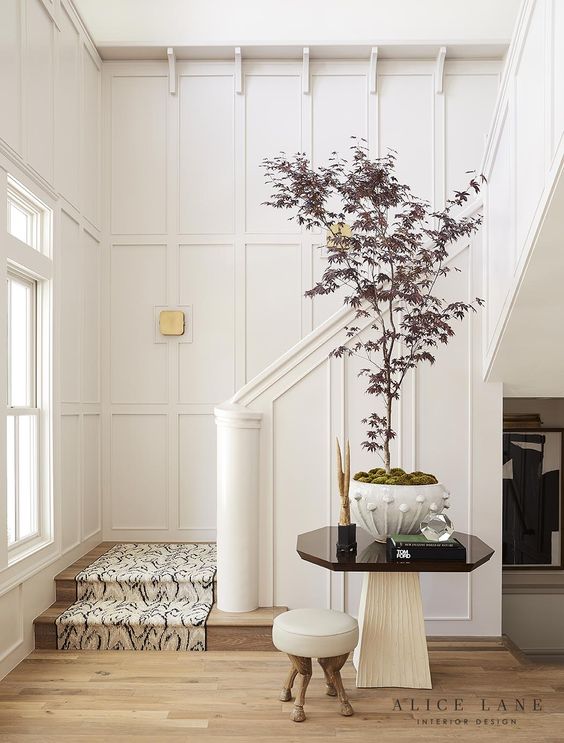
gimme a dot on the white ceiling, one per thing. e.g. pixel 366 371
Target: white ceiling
pixel 181 23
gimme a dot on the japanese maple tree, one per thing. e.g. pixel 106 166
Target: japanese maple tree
pixel 388 249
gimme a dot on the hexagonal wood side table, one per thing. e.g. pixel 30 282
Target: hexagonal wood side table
pixel 392 649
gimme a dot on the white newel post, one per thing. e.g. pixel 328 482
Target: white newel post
pixel 238 442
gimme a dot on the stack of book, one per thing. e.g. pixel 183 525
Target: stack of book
pixel 407 547
pixel 519 421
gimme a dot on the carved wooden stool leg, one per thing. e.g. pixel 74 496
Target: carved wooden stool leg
pixel 329 685
pixel 286 693
pixel 303 667
pixel 332 669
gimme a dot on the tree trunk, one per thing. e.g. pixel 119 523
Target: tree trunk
pixel 387 456
pixel 388 437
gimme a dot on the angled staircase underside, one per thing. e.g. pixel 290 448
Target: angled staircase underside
pixel 147 597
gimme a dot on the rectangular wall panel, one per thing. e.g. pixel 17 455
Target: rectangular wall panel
pixel 274 301
pixel 139 472
pixel 71 309
pixel 138 284
pixel 10 73
pixel 70 481
pixel 558 74
pixel 39 88
pixel 11 616
pixel 406 125
pixel 339 112
pixel 206 366
pixel 466 125
pixel 443 424
pixel 273 123
pixel 91 483
pixel 67 131
pixel 206 186
pixel 138 141
pixel 302 487
pixel 500 254
pixel 529 125
pixel 324 305
pixel 90 171
pixel 197 467
pixel 91 319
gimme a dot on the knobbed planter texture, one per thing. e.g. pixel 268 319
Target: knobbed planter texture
pixel 396 503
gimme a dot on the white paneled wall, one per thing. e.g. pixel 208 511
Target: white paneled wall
pixel 206 163
pixel 449 422
pixel 183 195
pixel 523 160
pixel 50 88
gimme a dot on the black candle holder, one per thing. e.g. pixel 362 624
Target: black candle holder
pixel 346 539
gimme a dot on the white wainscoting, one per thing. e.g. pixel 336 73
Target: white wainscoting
pixel 242 269
pixel 449 422
pixel 50 87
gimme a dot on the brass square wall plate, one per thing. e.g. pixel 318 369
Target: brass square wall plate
pixel 336 229
pixel 171 322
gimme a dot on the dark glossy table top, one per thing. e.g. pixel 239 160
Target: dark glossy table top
pixel 320 547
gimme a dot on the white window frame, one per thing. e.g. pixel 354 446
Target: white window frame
pixel 37 215
pixel 32 262
pixel 31 410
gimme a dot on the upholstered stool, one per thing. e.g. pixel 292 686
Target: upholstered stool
pixel 324 634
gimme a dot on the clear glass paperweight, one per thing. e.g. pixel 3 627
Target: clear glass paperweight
pixel 437 527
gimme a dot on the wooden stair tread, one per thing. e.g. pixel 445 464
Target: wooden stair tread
pixel 261 617
pixel 50 614
pixel 70 572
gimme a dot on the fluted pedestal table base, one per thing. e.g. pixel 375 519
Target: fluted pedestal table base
pixel 392 649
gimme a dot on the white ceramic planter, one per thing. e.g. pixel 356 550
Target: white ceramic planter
pixel 394 509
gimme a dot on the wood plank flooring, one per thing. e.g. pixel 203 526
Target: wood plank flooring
pixel 220 696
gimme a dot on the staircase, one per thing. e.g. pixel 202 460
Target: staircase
pixel 147 597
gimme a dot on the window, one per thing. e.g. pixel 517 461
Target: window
pixel 27 318
pixel 23 413
pixel 27 217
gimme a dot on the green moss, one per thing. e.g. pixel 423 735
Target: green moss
pixel 404 479
pixel 397 476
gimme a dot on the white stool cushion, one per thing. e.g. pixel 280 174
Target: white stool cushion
pixel 315 633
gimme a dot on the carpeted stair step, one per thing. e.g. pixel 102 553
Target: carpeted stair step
pixel 151 572
pixel 114 624
pixel 248 631
pixel 142 597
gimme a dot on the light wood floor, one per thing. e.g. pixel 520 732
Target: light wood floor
pixel 224 696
